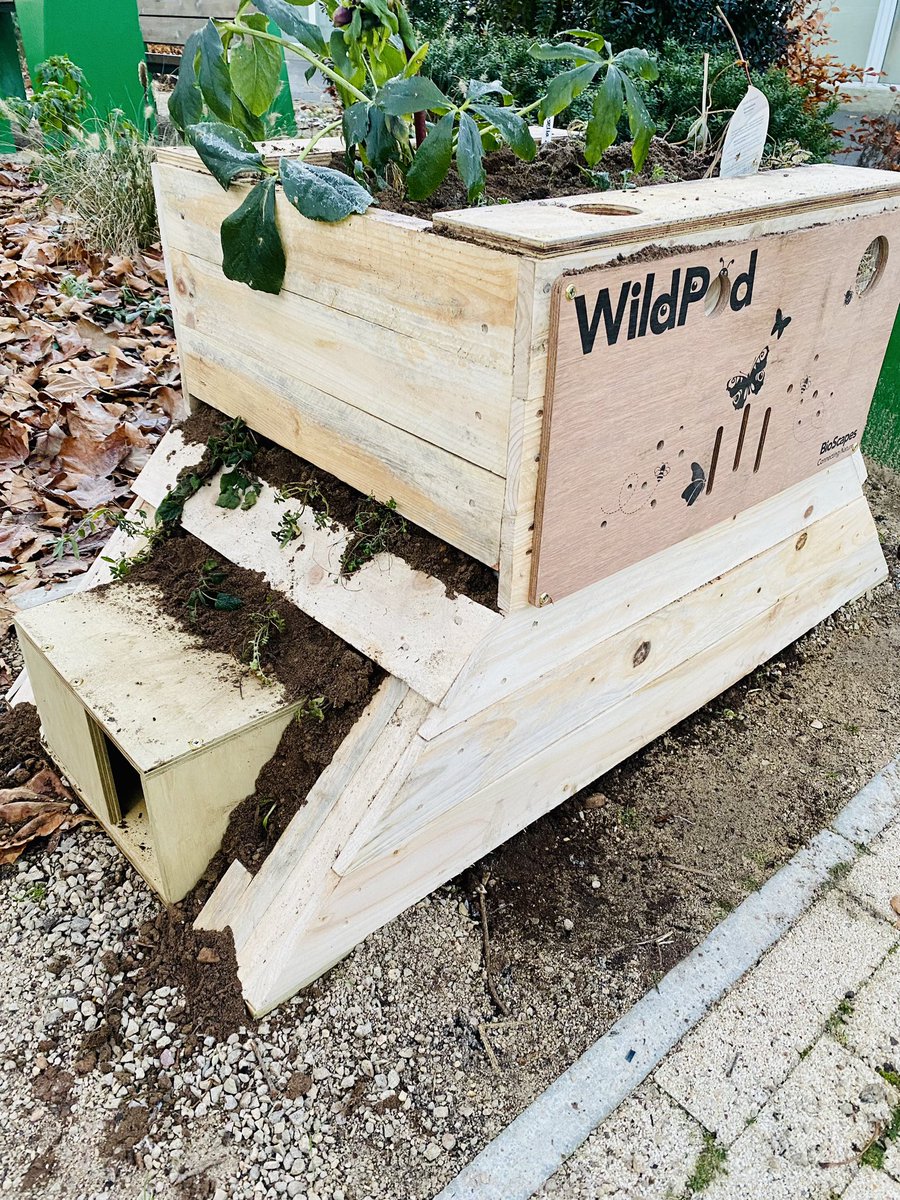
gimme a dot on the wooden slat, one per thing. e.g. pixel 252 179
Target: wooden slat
pixel 554 227
pixel 431 391
pixel 565 631
pixel 398 617
pixel 383 267
pixel 494 742
pixel 225 9
pixel 170 31
pixel 448 496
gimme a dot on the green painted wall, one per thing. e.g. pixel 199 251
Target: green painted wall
pixel 103 37
pixel 11 83
pixel 882 436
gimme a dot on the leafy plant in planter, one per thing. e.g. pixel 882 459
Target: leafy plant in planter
pixel 396 123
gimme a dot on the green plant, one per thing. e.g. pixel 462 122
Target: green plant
pixel 710 1163
pixel 288 528
pixel 374 528
pixel 76 286
pixel 265 626
pixel 266 816
pixel 97 519
pixel 311 496
pixel 313 709
pixel 229 75
pixel 102 178
pixel 58 104
pixel 207 591
pixel 149 310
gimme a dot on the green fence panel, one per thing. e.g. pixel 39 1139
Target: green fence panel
pixel 102 37
pixel 882 436
pixel 11 82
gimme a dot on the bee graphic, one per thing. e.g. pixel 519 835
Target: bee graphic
pixel 781 324
pixel 661 472
pixel 741 387
pixel 694 489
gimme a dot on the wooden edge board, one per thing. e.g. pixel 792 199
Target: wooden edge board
pixel 285 878
pixel 294 953
pixel 566 629
pixel 399 617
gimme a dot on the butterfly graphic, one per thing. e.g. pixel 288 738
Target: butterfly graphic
pixel 742 386
pixel 781 324
pixel 694 489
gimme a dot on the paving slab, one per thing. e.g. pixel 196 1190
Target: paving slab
pixel 645 1151
pixel 869 1184
pixel 872 1030
pixel 875 877
pixel 873 806
pixel 726 1069
pixel 807 1140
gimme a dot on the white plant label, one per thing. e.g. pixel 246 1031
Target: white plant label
pixel 547 135
pixel 745 138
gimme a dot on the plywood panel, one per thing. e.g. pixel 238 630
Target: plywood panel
pixel 662 420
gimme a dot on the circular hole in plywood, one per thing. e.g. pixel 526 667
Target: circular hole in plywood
pixel 717 295
pixel 605 210
pixel 871 265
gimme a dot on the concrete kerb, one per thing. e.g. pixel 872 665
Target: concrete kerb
pixel 536 1144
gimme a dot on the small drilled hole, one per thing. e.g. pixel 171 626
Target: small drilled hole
pixel 659 445
pixel 604 210
pixel 790 388
pixel 603 524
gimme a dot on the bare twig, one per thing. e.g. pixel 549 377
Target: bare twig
pixel 742 62
pixel 273 1088
pixel 486 949
pixel 488 1048
pixel 854 1158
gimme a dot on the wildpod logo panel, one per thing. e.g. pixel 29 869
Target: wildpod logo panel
pixel 686 387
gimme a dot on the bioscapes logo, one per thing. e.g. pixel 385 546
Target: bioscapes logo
pixel 655 306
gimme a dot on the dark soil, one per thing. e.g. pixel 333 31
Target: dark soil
pixel 559 169
pixel 459 573
pixel 21 754
pixel 306 658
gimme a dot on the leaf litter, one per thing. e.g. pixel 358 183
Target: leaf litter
pixel 89 382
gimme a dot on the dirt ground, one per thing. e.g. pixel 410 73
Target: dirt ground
pixel 400 1063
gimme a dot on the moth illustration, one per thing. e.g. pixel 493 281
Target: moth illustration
pixel 694 489
pixel 781 324
pixel 741 387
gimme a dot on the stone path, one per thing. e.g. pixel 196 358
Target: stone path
pixel 790 1087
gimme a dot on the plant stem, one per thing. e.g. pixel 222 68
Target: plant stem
pixel 742 61
pixel 298 48
pixel 317 137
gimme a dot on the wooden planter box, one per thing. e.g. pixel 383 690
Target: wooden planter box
pixel 643 408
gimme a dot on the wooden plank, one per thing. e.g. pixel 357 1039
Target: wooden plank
pixel 216 912
pixel 769 389
pixel 440 845
pixel 440 292
pixel 169 31
pixel 532 641
pixel 402 619
pixel 220 9
pixel 448 496
pixel 186 158
pixel 612 218
pixel 351 362
pixel 514 728
pixel 153 661
pixel 330 812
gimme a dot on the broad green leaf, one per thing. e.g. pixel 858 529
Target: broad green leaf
pixel 251 244
pixel 289 21
pixel 381 145
pixel 401 96
pixel 407 33
pixel 415 61
pixel 382 11
pixel 224 602
pixel 186 101
pixel 242 118
pixel 477 89
pixel 256 69
pixel 593 39
pixel 640 123
pixel 637 62
pixel 432 161
pixel 547 52
pixel 469 159
pixel 321 193
pixel 355 122
pixel 608 105
pixel 512 128
pixel 225 151
pixel 562 89
pixel 338 50
pixel 214 79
